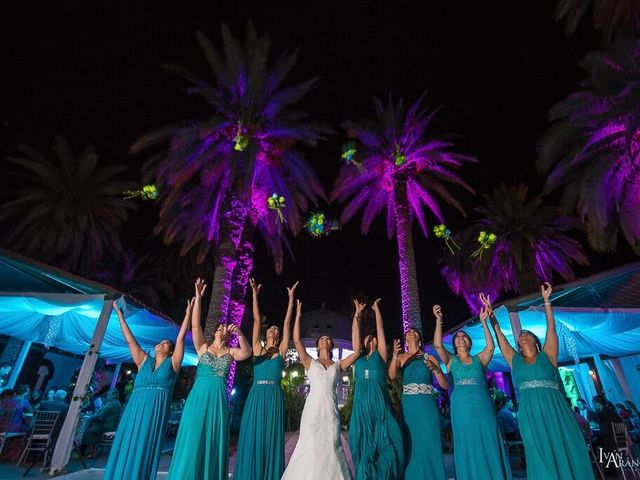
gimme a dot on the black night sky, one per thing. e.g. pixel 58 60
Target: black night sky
pixel 90 71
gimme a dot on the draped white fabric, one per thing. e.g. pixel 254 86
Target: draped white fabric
pixel 67 321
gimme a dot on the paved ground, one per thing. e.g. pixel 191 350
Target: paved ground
pixel 76 471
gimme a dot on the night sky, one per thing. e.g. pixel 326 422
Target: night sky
pixel 90 71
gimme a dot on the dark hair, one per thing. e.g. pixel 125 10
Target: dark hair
pixel 332 345
pixel 172 343
pixel 631 406
pixel 453 340
pixel 277 344
pixel 576 410
pixel 22 389
pixel 535 337
pixel 215 329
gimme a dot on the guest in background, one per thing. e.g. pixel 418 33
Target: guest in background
pixel 585 412
pixel 57 404
pixel 21 406
pixel 585 427
pixel 104 420
pixel 507 419
pixel 606 413
pixel 5 371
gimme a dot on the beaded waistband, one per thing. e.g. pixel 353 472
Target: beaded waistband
pixel 468 381
pixel 540 384
pixel 265 382
pixel 151 387
pixel 418 389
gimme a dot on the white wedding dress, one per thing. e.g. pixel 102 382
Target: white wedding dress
pixel 319 454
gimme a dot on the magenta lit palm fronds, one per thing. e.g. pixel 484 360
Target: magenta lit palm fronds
pixel 592 149
pixel 405 174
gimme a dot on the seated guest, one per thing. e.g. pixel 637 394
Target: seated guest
pixel 57 404
pixel 507 420
pixel 19 403
pixel 634 419
pixel 104 420
pixel 585 412
pixel 606 413
pixel 583 424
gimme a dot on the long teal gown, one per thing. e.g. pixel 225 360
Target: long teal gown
pixel 202 444
pixel 423 440
pixel 553 444
pixel 478 447
pixel 375 438
pixel 138 442
pixel 260 454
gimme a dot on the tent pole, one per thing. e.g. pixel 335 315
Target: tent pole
pixel 64 445
pixel 17 368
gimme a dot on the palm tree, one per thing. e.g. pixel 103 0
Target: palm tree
pixel 608 15
pixel 402 172
pixel 532 244
pixel 136 275
pixel 217 173
pixel 592 148
pixel 69 212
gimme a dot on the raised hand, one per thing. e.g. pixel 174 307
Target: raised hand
pixel 298 309
pixel 484 314
pixel 437 312
pixel 432 364
pixel 292 290
pixel 190 303
pixel 359 307
pixel 545 290
pixel 255 288
pixel 116 307
pixel 486 301
pixel 397 347
pixel 234 329
pixel 200 287
pixel 375 306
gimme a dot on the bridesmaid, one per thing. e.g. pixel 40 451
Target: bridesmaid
pixel 260 454
pixel 553 444
pixel 478 447
pixel 138 442
pixel 423 443
pixel 202 445
pixel 374 435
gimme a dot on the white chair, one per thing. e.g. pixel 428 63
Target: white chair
pixel 41 436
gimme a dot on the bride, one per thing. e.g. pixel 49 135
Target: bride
pixel 319 453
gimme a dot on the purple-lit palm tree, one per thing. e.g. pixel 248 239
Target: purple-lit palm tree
pixel 533 243
pixel 217 172
pixel 592 149
pixel 67 212
pixel 608 15
pixel 404 173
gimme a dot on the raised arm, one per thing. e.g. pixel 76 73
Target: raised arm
pixel 286 326
pixel 382 340
pixel 434 366
pixel 443 353
pixel 356 341
pixel 243 350
pixel 178 351
pixel 505 347
pixel 394 364
pixel 305 359
pixel 551 340
pixel 487 353
pixel 199 342
pixel 137 353
pixel 255 333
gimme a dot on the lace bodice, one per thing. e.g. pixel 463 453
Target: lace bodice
pixel 213 366
pixel 323 381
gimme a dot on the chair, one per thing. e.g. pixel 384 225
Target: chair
pixel 41 437
pixel 6 418
pixel 620 435
pixel 594 460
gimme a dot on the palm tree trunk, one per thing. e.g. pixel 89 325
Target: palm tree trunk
pixel 406 259
pixel 225 260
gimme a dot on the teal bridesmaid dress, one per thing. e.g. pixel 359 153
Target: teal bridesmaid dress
pixel 138 442
pixel 478 447
pixel 260 454
pixel 375 438
pixel 423 440
pixel 202 444
pixel 553 444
